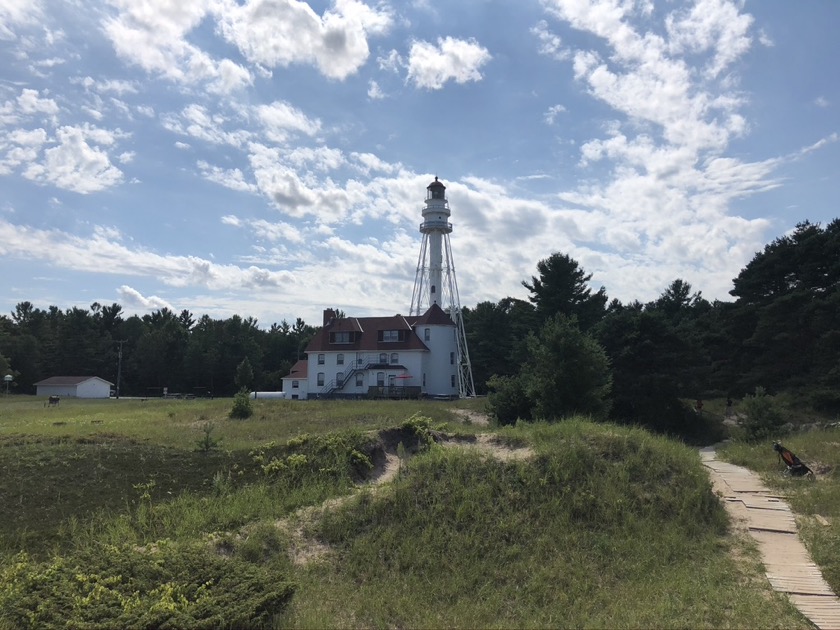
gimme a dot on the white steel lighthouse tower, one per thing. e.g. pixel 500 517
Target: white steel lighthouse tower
pixel 435 282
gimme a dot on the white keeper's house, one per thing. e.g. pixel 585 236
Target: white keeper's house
pixel 74 387
pixel 401 356
pixel 379 357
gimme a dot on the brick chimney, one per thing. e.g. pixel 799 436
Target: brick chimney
pixel 329 316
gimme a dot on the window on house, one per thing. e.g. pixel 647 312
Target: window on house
pixel 395 358
pixel 360 379
pixel 427 334
pixel 451 358
pixel 320 379
pixel 341 337
pixel 424 379
pixel 380 379
pixel 452 380
pixel 339 359
pixel 295 385
pixel 320 359
pixel 383 357
pixel 392 380
pixel 391 335
pixel 339 378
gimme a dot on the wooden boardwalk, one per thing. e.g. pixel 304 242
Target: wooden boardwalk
pixel 772 524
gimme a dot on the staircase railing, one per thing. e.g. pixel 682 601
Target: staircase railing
pixel 360 364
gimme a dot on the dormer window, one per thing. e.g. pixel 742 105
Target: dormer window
pixel 391 335
pixel 345 336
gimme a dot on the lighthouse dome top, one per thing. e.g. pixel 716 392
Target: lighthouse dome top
pixel 436 190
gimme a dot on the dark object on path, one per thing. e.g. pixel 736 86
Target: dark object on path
pixel 794 465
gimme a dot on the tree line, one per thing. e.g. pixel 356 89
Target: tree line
pixel 780 332
pixel 159 350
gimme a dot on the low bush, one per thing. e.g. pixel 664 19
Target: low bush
pixel 242 407
pixel 763 418
pixel 167 585
pixel 508 401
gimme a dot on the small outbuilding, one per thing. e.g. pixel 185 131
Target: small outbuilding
pixel 74 387
pixel 296 385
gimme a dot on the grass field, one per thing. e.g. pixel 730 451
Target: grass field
pixel 116 515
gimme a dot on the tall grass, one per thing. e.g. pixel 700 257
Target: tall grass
pixel 605 527
pixel 178 423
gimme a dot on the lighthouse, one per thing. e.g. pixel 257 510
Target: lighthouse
pixel 434 281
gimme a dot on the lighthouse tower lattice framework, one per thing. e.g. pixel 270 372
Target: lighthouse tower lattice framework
pixel 434 282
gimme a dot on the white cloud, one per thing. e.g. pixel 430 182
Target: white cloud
pixel 549 44
pixel 153 35
pixel 120 87
pixel 199 122
pixel 30 103
pixel 392 62
pixel 231 178
pixel 76 165
pixel 367 162
pixel 281 120
pixel 282 32
pixel 132 298
pixel 103 253
pixel 711 25
pixel 452 59
pixel 18 13
pixel 551 114
pixel 317 159
pixel 821 101
pixel 375 93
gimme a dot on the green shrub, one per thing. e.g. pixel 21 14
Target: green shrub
pixel 508 401
pixel 763 416
pixel 163 586
pixel 242 405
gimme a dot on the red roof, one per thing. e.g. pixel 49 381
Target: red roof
pixel 367 337
pixel 299 370
pixel 435 316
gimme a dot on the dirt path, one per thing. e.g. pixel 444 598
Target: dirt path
pixel 473 417
pixel 771 523
pixel 304 549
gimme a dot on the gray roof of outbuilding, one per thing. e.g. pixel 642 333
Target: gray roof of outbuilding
pixel 69 380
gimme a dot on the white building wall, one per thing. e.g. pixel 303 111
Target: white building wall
pixel 412 362
pixel 67 391
pixel 438 366
pixel 301 392
pixel 94 388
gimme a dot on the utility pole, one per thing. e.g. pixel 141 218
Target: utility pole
pixel 119 367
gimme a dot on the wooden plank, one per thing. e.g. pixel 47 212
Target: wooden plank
pixel 761 502
pixel 772 525
pixel 822 611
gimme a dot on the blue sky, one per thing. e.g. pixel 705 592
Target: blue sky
pixel 270 157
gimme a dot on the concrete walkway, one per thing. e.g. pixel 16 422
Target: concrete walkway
pixel 770 521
